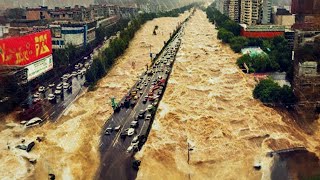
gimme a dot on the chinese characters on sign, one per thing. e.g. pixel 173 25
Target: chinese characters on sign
pixel 21 51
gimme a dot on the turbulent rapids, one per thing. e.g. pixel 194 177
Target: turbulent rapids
pixel 208 107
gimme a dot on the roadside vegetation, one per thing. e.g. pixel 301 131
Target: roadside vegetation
pixel 278 53
pixel 269 91
pixel 277 57
pixel 104 63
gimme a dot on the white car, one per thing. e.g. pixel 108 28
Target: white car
pixel 41 89
pixel 51 97
pixel 135 140
pixel 150 107
pixel 57 92
pixel 65 85
pixel 36 95
pixel 131 131
pixel 129 148
pixel 134 124
pixel 51 85
pixel 117 128
pixel 33 122
pixel 132 147
pixel 148 117
pixel 74 73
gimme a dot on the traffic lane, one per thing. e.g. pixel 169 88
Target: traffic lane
pixel 121 166
pixel 110 140
pixel 140 106
pixel 53 110
pixel 117 118
pixel 127 141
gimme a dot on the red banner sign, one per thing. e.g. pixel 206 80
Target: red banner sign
pixel 21 51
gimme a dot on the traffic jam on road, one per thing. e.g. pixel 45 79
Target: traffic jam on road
pixel 127 129
pixel 61 92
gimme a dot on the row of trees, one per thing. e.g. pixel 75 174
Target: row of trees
pixel 102 64
pixel 278 58
pixel 269 91
pixel 279 53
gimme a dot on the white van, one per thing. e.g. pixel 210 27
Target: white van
pixel 34 122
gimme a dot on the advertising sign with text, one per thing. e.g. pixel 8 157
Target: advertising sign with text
pixel 23 50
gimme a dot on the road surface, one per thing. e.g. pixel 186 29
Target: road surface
pixel 116 162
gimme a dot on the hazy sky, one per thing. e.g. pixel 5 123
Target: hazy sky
pixel 61 3
pixel 35 3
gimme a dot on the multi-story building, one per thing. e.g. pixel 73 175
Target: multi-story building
pixel 77 34
pixel 246 12
pixel 266 12
pixel 40 13
pixel 234 10
pixel 255 12
pixel 306 86
pixel 284 17
pixel 4 30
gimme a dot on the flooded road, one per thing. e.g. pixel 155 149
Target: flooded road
pixel 208 108
pixel 70 147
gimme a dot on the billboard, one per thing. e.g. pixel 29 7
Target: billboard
pixel 39 67
pixel 23 50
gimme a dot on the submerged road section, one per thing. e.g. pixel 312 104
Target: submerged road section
pixel 127 129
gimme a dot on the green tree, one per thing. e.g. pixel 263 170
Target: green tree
pixel 237 43
pixel 225 35
pixel 245 59
pixel 267 91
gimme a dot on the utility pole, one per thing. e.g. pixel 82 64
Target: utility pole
pixel 188 152
pixel 150 53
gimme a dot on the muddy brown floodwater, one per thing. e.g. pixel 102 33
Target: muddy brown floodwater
pixel 70 146
pixel 208 103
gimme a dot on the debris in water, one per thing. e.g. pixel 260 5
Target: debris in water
pixel 257 166
pixel 30 146
pixel 52 176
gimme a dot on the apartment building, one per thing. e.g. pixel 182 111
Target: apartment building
pixel 230 8
pixel 255 12
pixel 266 12
pixel 234 10
pixel 246 12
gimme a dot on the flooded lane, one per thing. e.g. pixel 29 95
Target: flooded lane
pixel 208 107
pixel 70 146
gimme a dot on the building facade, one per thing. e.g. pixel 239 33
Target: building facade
pixel 71 34
pixel 261 31
pixel 254 12
pixel 284 17
pixel 266 12
pixel 234 10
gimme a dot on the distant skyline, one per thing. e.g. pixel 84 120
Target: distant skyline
pixel 4 4
pixel 36 3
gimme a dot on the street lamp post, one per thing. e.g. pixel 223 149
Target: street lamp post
pixel 189 149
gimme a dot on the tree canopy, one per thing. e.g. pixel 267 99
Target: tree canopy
pixel 269 91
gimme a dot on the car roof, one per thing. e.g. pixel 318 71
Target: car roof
pixel 35 118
